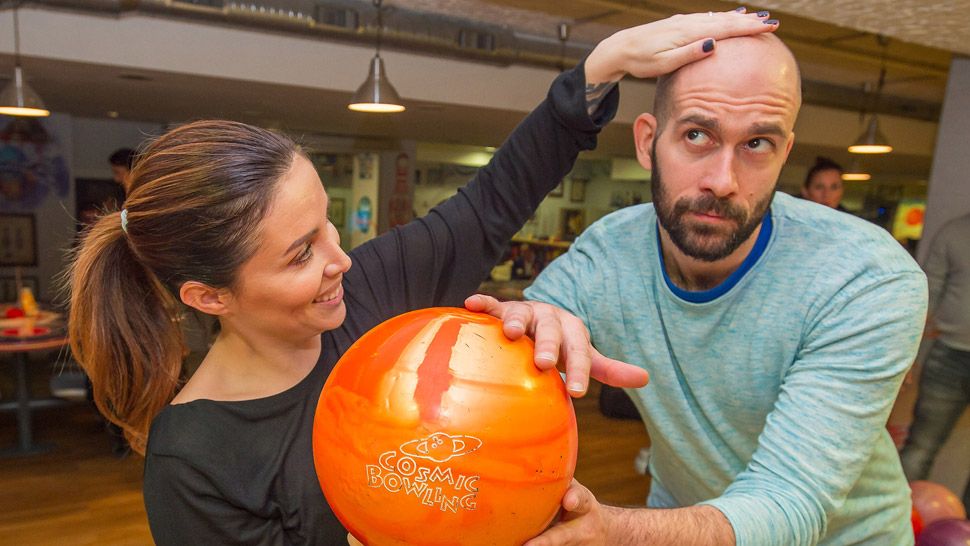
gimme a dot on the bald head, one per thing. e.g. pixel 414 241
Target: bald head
pixel 759 63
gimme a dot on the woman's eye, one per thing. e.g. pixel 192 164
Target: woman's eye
pixel 304 255
pixel 697 137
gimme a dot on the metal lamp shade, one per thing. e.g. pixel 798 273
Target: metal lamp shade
pixel 18 99
pixel 376 94
pixel 872 141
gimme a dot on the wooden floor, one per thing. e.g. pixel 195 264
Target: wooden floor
pixel 78 494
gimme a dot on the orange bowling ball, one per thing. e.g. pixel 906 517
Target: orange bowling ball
pixel 435 429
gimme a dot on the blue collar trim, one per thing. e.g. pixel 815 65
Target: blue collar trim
pixel 704 296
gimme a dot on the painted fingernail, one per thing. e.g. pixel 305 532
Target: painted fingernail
pixel 763 14
pixel 742 9
pixel 770 21
pixel 708 45
pixel 546 357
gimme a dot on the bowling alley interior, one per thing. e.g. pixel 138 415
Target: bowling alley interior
pixel 436 86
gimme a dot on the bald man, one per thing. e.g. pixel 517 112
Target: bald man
pixel 776 332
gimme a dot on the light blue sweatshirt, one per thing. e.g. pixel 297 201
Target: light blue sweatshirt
pixel 768 394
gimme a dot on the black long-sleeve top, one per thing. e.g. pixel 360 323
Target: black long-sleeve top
pixel 242 472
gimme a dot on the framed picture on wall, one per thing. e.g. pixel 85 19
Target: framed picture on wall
pixel 8 287
pixel 557 191
pixel 577 190
pixel 18 240
pixel 338 212
pixel 571 223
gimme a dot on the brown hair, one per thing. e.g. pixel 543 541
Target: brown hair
pixel 195 201
pixel 821 164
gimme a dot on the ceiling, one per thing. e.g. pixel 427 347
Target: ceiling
pixel 914 44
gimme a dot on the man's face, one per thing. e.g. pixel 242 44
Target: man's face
pixel 725 138
pixel 705 239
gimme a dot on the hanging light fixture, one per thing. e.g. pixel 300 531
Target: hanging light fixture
pixel 856 173
pixel 17 98
pixel 872 141
pixel 376 94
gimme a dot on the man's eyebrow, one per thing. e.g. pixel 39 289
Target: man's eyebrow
pixel 769 129
pixel 712 125
pixel 703 122
pixel 302 240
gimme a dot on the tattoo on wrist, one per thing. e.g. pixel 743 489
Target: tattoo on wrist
pixel 595 93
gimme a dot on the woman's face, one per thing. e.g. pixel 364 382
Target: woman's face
pixel 825 188
pixel 291 287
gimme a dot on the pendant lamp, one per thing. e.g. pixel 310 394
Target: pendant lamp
pixel 376 94
pixel 17 98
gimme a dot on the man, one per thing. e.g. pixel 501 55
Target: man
pixel 944 387
pixel 776 333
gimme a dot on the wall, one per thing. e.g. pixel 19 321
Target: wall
pixel 35 167
pixel 949 197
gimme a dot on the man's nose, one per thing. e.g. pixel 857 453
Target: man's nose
pixel 720 177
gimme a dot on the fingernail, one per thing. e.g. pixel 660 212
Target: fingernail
pixel 546 357
pixel 742 9
pixel 514 324
pixel 576 387
pixel 708 45
pixel 771 21
pixel 763 14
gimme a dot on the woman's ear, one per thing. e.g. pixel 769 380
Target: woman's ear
pixel 209 300
pixel 644 131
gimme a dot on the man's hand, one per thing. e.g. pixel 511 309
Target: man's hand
pixel 559 338
pixel 661 47
pixel 584 521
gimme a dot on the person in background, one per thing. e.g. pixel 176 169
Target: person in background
pixel 944 385
pixel 774 349
pixel 823 183
pixel 121 161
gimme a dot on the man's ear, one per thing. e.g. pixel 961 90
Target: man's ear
pixel 644 131
pixel 791 142
pixel 201 296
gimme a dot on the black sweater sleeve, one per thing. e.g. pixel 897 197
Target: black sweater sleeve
pixel 441 258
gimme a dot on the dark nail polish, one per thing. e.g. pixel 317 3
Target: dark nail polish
pixel 708 45
pixel 763 14
pixel 742 9
pixel 770 21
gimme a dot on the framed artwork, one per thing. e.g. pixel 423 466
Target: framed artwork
pixel 338 212
pixel 557 191
pixel 18 240
pixel 577 190
pixel 571 223
pixel 8 287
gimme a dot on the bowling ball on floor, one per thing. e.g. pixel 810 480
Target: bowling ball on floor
pixel 435 429
pixel 934 502
pixel 945 532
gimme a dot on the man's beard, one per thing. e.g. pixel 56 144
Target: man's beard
pixel 705 242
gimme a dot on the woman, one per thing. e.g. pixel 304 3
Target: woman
pixel 230 220
pixel 823 183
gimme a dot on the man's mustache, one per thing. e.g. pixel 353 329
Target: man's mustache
pixel 709 204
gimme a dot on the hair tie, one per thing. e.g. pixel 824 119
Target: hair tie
pixel 124 221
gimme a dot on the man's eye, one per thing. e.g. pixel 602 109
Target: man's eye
pixel 697 137
pixel 760 145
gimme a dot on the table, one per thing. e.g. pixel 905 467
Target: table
pixel 26 340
